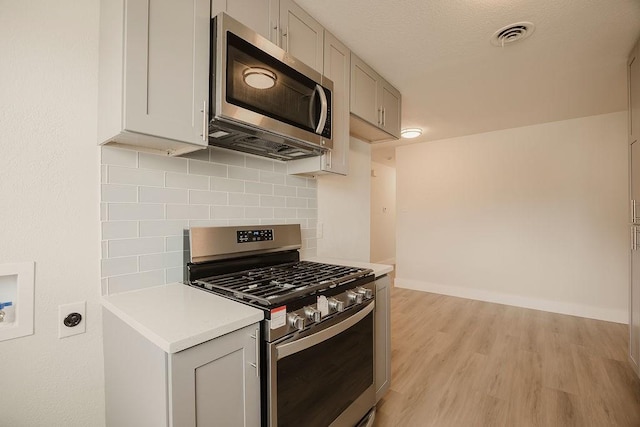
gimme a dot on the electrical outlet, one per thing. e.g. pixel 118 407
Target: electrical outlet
pixel 71 319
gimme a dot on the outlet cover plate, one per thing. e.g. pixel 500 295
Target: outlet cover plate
pixel 65 310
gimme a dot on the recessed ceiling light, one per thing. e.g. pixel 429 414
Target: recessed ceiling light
pixel 259 78
pixel 411 133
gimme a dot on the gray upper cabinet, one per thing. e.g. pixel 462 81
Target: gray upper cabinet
pixel 633 72
pixel 301 35
pixel 337 68
pixel 260 15
pixel 375 104
pixel 154 82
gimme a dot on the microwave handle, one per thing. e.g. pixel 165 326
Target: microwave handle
pixel 324 108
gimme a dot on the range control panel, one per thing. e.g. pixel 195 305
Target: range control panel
pixel 246 236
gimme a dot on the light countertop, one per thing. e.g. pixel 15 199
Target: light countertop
pixel 378 269
pixel 176 316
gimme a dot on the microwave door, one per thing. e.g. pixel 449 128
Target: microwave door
pixel 318 109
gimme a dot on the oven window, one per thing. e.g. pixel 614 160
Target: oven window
pixel 317 384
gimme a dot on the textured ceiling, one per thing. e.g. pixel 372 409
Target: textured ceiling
pixel 454 82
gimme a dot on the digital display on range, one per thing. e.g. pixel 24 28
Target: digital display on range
pixel 247 236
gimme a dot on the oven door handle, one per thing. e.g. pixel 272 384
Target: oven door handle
pixel 288 349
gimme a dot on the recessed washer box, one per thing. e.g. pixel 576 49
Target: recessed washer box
pixel 17 288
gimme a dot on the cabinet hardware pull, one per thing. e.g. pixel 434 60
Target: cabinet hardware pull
pixel 256 365
pixel 633 211
pixel 205 118
pixel 286 35
pixel 384 117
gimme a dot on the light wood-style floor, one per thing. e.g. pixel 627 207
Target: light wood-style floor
pixel 458 362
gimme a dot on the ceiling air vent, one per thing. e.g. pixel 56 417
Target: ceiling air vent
pixel 512 33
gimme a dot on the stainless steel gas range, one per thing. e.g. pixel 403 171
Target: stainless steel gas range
pixel 317 350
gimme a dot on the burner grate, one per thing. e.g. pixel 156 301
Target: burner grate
pixel 278 284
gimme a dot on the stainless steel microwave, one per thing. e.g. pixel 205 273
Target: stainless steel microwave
pixel 263 100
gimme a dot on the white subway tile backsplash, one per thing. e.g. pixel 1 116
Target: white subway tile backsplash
pixel 259 163
pixel 118 266
pixel 118 193
pixel 296 181
pixel 258 212
pixel 271 178
pixel 272 201
pixel 187 212
pixel 139 246
pixel 162 195
pixel 227 212
pixel 119 157
pixel 258 188
pixel 225 184
pixel 295 202
pixel 280 167
pixel 208 223
pixel 148 201
pixel 176 243
pixel 119 230
pixel 129 282
pixel 242 199
pixel 307 213
pixel 194 182
pixel 281 190
pixel 244 173
pixel 161 260
pixel 226 157
pixel 163 228
pixel 312 183
pixel 120 175
pixel 197 197
pixel 285 213
pixel 163 163
pixel 196 167
pixel 133 211
pixel 307 192
pixel 175 274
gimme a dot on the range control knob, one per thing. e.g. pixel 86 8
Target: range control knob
pixel 313 314
pixel 335 304
pixel 296 321
pixel 367 293
pixel 354 297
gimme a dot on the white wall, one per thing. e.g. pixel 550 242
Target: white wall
pixel 383 214
pixel 49 180
pixel 534 216
pixel 343 207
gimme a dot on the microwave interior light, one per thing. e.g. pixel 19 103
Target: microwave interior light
pixel 259 78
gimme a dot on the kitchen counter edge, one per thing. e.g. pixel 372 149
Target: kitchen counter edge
pixel 175 316
pixel 378 269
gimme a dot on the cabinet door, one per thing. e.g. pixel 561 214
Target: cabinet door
pixel 390 100
pixel 167 69
pixel 383 336
pixel 634 94
pixel 337 66
pixel 216 382
pixel 255 14
pixel 364 91
pixel 301 35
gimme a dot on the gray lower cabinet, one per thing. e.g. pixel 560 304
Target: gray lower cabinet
pixel 213 383
pixel 383 336
pixel 633 69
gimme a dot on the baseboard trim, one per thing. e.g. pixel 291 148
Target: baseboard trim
pixel 590 312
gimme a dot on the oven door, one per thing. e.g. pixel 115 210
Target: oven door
pixel 324 377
